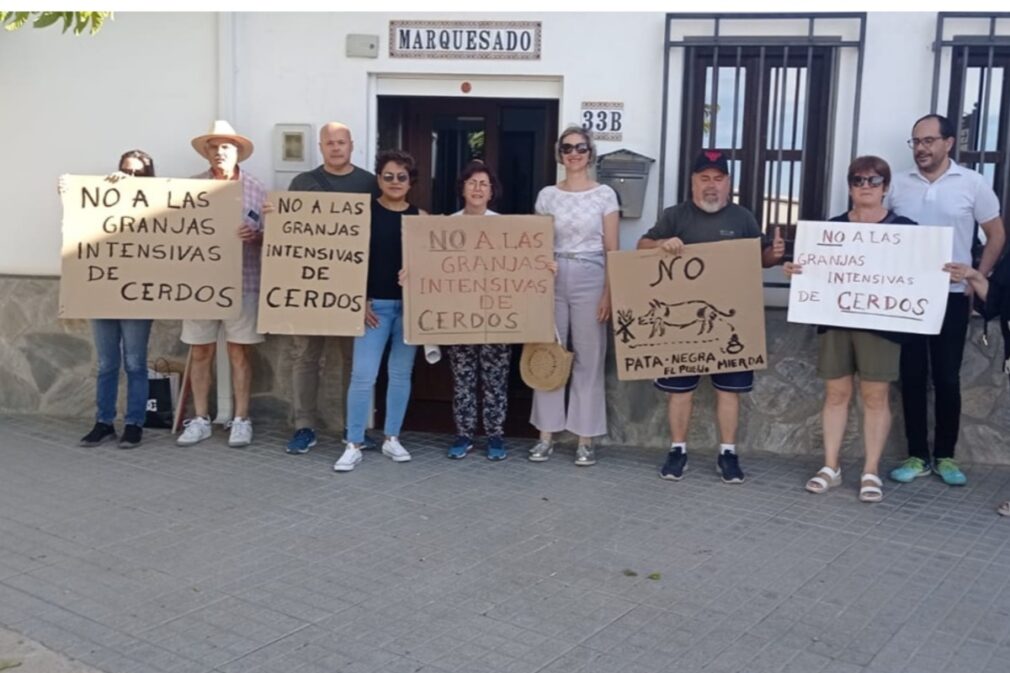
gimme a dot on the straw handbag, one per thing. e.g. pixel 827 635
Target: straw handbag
pixel 545 366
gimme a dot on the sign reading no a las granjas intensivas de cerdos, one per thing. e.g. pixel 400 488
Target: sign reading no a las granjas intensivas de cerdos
pixel 315 264
pixel 151 248
pixel 478 279
pixel 885 277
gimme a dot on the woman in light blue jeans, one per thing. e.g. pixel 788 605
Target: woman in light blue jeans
pixel 122 342
pixel 394 170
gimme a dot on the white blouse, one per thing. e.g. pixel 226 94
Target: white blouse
pixel 578 216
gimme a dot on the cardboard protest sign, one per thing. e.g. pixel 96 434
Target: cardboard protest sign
pixel 871 276
pixel 315 264
pixel 483 279
pixel 151 248
pixel 699 312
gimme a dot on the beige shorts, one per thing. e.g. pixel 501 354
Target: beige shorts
pixel 240 330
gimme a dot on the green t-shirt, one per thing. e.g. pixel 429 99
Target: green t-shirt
pixel 691 224
pixel 358 181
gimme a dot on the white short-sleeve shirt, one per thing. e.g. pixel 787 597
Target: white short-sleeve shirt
pixel 578 216
pixel 959 198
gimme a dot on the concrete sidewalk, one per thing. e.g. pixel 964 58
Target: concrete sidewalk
pixel 210 559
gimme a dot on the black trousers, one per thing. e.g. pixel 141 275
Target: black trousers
pixel 939 356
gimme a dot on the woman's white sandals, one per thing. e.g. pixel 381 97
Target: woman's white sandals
pixel 870 488
pixel 825 479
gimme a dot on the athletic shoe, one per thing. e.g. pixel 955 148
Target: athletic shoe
pixel 728 466
pixel 392 448
pixel 496 449
pixel 676 463
pixel 541 451
pixel 241 433
pixel 460 447
pixel 101 433
pixel 348 459
pixel 303 440
pixel 910 470
pixel 951 474
pixel 196 430
pixel 585 456
pixel 131 436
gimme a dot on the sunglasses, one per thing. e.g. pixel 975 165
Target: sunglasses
pixel 132 171
pixel 568 148
pixel 395 177
pixel 869 180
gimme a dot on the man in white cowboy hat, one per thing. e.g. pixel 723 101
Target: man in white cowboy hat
pixel 225 149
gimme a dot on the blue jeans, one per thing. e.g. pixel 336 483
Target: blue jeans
pixel 121 341
pixel 368 351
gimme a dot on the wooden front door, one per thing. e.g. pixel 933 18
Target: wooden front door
pixel 515 137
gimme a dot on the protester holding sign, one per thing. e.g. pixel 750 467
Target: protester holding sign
pixel 939 192
pixel 383 317
pixel 844 352
pixel 336 174
pixel 478 187
pixel 992 301
pixel 122 341
pixel 707 218
pixel 225 150
pixel 586 217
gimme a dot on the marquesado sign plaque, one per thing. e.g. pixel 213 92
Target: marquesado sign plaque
pixel 514 40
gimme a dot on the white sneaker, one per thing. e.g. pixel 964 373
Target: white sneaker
pixel 241 432
pixel 348 459
pixel 392 448
pixel 196 430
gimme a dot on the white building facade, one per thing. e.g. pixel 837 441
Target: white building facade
pixel 792 97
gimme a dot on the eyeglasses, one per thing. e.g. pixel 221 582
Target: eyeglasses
pixel 926 142
pixel 475 184
pixel 870 180
pixel 395 177
pixel 568 148
pixel 132 171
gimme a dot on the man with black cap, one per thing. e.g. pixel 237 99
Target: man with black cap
pixel 707 218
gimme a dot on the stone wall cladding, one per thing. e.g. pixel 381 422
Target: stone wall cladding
pixel 47 366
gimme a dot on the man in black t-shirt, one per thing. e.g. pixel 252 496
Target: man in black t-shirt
pixel 708 217
pixel 336 174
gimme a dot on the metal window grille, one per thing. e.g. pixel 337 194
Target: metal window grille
pixel 972 55
pixel 762 88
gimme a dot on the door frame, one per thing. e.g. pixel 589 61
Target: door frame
pixel 449 85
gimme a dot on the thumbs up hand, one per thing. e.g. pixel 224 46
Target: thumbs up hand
pixel 778 244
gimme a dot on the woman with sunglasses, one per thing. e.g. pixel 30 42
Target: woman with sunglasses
pixel 394 170
pixel 122 342
pixel 844 352
pixel 586 216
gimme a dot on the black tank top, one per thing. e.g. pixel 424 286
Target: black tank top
pixel 385 251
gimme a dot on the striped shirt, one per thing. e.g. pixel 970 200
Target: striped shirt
pixel 254 195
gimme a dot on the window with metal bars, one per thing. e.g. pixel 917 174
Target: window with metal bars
pixel 765 108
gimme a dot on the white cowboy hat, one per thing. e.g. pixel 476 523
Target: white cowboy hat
pixel 222 129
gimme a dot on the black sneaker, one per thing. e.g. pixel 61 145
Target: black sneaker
pixel 131 437
pixel 102 432
pixel 676 463
pixel 728 466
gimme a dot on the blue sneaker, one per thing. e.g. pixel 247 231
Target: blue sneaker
pixel 460 447
pixel 951 474
pixel 303 440
pixel 676 463
pixel 909 470
pixel 496 449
